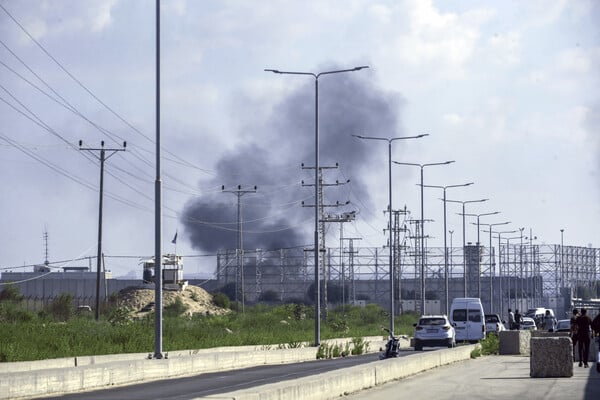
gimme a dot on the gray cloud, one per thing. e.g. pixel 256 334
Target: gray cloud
pixel 348 104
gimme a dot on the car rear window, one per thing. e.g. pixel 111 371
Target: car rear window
pixel 491 318
pixel 432 321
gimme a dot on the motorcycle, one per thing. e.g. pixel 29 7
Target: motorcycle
pixel 392 347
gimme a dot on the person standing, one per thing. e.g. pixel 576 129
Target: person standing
pixel 596 335
pixel 549 321
pixel 511 319
pixel 573 331
pixel 518 319
pixel 583 337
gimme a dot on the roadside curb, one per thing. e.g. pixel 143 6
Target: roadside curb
pixel 353 379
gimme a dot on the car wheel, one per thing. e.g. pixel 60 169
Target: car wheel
pixel 451 343
pixel 418 346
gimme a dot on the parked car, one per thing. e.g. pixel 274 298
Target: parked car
pixel 493 323
pixel 432 331
pixel 528 323
pixel 563 325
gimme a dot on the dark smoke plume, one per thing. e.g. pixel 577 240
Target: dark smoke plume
pixel 273 217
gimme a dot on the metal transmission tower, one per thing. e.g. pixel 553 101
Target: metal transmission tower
pixel 102 157
pixel 351 273
pixel 239 192
pixel 396 249
pixel 46 262
pixel 341 218
pixel 323 220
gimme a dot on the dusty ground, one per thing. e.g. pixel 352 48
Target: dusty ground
pixel 141 301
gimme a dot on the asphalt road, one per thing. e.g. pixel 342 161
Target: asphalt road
pixel 488 378
pixel 221 382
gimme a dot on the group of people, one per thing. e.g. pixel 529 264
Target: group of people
pixel 514 320
pixel 581 327
pixel 581 331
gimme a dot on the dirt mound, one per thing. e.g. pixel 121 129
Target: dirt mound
pixel 197 300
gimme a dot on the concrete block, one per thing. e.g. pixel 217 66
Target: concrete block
pixel 551 357
pixel 514 342
pixel 548 334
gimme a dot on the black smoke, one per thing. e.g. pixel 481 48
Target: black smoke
pixel 273 217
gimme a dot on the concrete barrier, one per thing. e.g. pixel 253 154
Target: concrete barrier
pixel 334 384
pixel 551 357
pixel 514 342
pixel 76 374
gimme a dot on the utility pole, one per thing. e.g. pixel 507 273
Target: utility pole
pixel 341 218
pixel 239 192
pixel 396 251
pixel 102 157
pixel 351 253
pixel 321 204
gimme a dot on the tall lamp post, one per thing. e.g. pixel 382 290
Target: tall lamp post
pixel 521 264
pixel 562 265
pixel 492 263
pixel 478 249
pixel 445 245
pixel 530 271
pixel 390 208
pixel 422 166
pixel 515 270
pixel 464 241
pixel 500 296
pixel 316 76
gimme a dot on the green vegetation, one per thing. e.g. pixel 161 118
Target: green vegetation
pixel 58 331
pixel 488 346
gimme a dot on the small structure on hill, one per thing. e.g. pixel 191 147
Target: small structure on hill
pixel 172 272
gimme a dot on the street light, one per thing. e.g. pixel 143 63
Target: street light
pixel 316 76
pixel 445 246
pixel 390 208
pixel 500 296
pixel 562 266
pixel 521 262
pixel 515 269
pixel 530 268
pixel 451 232
pixel 423 226
pixel 492 263
pixel 464 242
pixel 479 249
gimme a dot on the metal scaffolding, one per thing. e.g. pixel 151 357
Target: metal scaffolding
pixel 523 276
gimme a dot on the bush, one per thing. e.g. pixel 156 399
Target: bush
pixel 10 293
pixel 490 345
pixel 176 308
pixel 61 309
pixel 221 300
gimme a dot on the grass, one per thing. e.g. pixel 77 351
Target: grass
pixel 39 336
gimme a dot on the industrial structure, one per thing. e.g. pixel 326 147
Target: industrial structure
pixel 517 276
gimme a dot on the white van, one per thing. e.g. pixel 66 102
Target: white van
pixel 467 317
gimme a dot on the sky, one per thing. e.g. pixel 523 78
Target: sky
pixel 507 90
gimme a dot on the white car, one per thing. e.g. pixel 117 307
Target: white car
pixel 493 323
pixel 432 331
pixel 528 324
